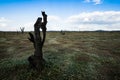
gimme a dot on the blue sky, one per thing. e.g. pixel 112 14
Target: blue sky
pixel 62 14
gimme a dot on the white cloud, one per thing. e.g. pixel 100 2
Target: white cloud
pixel 2 19
pixel 108 20
pixel 7 24
pixel 87 0
pixel 53 18
pixel 97 17
pixel 28 26
pixel 54 23
pixel 97 1
pixel 94 1
pixel 3 22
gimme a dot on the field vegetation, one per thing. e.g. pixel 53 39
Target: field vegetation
pixel 73 56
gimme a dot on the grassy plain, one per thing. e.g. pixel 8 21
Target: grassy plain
pixel 73 56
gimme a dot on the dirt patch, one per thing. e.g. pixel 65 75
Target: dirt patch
pixel 83 58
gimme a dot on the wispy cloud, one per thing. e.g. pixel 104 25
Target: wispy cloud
pixel 28 26
pixel 5 24
pixel 53 18
pixel 94 1
pixel 87 0
pixel 3 21
pixel 97 1
pixel 54 23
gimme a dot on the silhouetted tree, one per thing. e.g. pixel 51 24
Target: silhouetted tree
pixel 62 32
pixel 22 29
pixel 36 60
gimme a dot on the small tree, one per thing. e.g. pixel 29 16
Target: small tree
pixel 36 60
pixel 22 29
pixel 62 32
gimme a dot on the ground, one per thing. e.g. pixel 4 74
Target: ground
pixel 73 56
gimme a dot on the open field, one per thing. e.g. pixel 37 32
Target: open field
pixel 73 56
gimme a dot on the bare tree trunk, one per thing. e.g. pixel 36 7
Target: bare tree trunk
pixel 36 60
pixel 22 29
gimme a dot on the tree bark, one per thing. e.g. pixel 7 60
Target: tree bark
pixel 36 61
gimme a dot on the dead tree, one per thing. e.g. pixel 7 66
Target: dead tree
pixel 62 32
pixel 36 60
pixel 22 29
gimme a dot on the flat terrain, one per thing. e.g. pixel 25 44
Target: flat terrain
pixel 73 56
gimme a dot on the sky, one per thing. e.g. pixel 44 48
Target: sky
pixel 70 15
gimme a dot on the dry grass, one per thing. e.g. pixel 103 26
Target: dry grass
pixel 73 56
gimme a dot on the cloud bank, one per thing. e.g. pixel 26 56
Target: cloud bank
pixel 108 20
pixel 85 21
